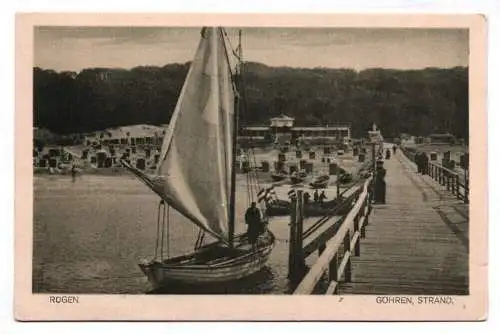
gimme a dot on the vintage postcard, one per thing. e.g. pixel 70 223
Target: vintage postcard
pixel 250 167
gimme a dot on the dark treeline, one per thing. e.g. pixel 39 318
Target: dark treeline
pixel 418 102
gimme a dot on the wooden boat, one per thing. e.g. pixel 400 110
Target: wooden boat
pixel 279 176
pixel 345 178
pixel 311 209
pixel 297 178
pixel 320 182
pixel 208 106
pixel 212 263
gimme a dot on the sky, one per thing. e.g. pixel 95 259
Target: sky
pixel 76 48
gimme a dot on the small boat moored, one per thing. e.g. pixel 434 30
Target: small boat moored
pixel 320 182
pixel 279 176
pixel 298 177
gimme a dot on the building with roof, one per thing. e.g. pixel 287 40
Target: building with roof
pixel 141 134
pixel 281 130
pixel 442 138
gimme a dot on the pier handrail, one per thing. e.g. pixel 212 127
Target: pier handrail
pixel 333 212
pixel 445 177
pixel 352 222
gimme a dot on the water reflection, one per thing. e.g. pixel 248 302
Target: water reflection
pixel 262 282
pixel 89 235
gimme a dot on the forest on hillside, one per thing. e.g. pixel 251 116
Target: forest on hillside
pixel 419 102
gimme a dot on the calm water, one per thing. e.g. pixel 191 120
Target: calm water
pixel 90 234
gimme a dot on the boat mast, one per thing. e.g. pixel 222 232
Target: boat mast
pixel 232 201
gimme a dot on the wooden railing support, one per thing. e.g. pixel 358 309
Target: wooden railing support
pixel 347 249
pixel 357 246
pixel 363 228
pixel 333 268
pixel 466 186
pixel 300 227
pixel 447 178
pixel 296 261
pixel 342 246
pixel 291 238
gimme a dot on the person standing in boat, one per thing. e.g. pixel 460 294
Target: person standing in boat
pixel 253 221
pixel 306 197
pixel 316 196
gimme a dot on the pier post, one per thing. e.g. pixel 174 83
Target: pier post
pixel 374 160
pixel 338 184
pixel 300 261
pixel 366 214
pixel 291 238
pixel 347 246
pixel 357 246
pixel 333 269
pixel 296 261
pixel 466 185
pixel 362 233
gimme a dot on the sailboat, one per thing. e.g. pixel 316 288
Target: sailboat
pixel 196 174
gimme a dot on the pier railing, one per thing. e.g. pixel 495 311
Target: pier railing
pixel 457 184
pixel 449 179
pixel 335 255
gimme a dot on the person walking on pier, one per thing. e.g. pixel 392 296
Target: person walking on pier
pixel 253 221
pixel 380 185
pixel 418 161
pixel 322 197
pixel 316 196
pixel 73 173
pixel 425 163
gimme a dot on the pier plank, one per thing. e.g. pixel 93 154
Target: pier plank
pixel 417 243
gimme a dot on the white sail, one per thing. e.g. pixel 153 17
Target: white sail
pixel 194 171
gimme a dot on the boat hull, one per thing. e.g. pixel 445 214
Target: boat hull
pixel 320 184
pixel 278 177
pixel 282 208
pixel 233 267
pixel 297 180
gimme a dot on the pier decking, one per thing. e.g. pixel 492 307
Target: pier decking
pixel 417 243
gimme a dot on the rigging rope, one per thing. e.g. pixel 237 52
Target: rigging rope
pixel 233 50
pixel 158 231
pixel 168 231
pixel 162 230
pixel 252 182
pixel 199 239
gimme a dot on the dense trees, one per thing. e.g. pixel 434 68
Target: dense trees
pixel 419 102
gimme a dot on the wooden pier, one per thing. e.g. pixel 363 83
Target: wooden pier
pixel 416 243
